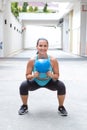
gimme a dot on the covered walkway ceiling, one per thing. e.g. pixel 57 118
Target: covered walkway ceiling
pixel 64 6
pixel 46 0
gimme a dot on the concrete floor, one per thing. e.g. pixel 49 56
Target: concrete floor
pixel 42 103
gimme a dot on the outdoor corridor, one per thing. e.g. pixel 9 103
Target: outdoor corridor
pixel 43 105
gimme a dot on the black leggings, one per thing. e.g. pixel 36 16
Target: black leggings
pixel 52 85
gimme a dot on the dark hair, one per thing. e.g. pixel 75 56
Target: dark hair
pixel 42 39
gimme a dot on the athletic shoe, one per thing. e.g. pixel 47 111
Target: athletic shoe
pixel 62 111
pixel 23 110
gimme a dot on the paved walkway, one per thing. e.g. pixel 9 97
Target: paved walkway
pixel 43 103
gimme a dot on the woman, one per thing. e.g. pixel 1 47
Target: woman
pixel 50 78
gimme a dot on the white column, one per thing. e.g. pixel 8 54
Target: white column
pixel 83 34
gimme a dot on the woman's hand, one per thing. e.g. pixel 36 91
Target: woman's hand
pixel 49 74
pixel 36 74
pixel 31 76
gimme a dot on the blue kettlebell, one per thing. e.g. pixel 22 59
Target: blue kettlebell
pixel 42 65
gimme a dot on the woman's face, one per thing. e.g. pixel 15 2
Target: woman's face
pixel 42 47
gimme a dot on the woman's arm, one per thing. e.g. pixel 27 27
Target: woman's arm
pixel 55 67
pixel 29 69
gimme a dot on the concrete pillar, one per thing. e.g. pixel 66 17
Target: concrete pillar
pixel 83 34
pixel 66 33
pixel 70 30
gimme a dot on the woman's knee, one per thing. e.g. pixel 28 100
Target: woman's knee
pixel 23 88
pixel 61 88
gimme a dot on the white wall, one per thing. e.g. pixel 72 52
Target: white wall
pixel 1 34
pixel 83 34
pixel 72 30
pixel 76 29
pixel 66 33
pixel 12 37
pixel 32 33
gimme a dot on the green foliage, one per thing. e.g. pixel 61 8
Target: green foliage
pixel 31 9
pixel 45 8
pixel 35 9
pixel 24 7
pixel 14 9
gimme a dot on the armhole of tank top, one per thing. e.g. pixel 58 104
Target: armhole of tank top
pixel 50 62
pixel 34 62
pixel 49 58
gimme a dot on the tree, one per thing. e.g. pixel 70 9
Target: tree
pixel 45 8
pixel 35 9
pixel 30 9
pixel 24 7
pixel 14 9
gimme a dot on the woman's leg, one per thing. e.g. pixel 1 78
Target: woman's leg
pixel 61 99
pixel 61 92
pixel 25 87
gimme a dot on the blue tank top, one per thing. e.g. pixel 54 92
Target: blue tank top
pixel 42 80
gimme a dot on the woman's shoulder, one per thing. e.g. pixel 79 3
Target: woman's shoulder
pixel 31 60
pixel 52 58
